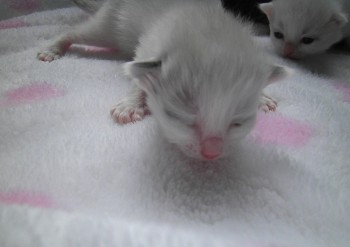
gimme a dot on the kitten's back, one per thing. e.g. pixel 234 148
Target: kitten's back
pixel 206 41
pixel 202 30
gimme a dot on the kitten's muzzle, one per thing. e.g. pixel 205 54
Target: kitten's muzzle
pixel 289 49
pixel 211 147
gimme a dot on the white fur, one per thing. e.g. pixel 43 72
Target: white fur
pixel 209 73
pixel 324 20
pixel 126 186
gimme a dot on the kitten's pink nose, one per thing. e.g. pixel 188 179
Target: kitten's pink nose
pixel 288 49
pixel 211 147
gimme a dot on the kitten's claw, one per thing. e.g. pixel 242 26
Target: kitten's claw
pixel 49 55
pixel 267 104
pixel 123 113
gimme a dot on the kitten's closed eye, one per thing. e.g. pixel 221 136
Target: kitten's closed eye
pixel 183 119
pixel 171 114
pixel 307 40
pixel 235 125
pixel 278 35
pixel 240 122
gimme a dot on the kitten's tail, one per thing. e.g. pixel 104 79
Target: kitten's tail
pixel 90 6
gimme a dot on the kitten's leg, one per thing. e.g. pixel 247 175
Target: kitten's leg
pixel 93 32
pixel 132 108
pixel 267 103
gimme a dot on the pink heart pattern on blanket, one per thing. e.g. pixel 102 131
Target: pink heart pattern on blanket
pixel 16 23
pixel 344 88
pixel 279 130
pixel 30 93
pixel 23 5
pixel 26 198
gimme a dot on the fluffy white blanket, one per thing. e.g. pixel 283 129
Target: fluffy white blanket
pixel 69 176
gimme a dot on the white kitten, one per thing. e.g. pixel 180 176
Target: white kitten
pixel 197 69
pixel 303 27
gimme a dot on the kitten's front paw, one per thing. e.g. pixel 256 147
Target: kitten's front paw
pixel 124 112
pixel 267 103
pixel 49 55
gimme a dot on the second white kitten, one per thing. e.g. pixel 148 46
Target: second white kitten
pixel 303 27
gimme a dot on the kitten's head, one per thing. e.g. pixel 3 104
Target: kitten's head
pixel 303 27
pixel 204 107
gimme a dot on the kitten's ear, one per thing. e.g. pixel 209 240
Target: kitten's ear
pixel 339 19
pixel 278 73
pixel 267 8
pixel 145 73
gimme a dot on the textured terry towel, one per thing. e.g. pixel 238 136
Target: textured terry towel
pixel 69 176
